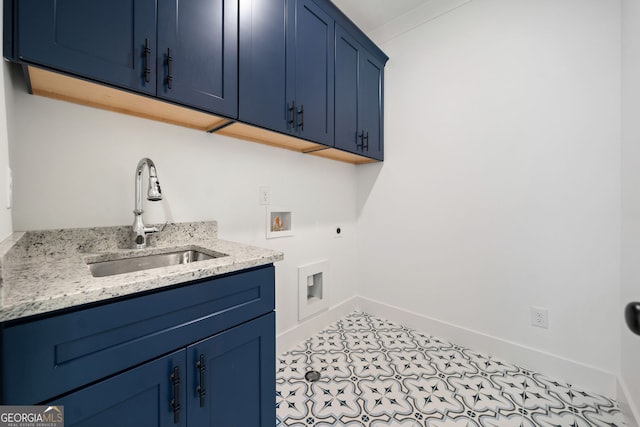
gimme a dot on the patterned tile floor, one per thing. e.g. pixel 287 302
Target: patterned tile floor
pixel 377 373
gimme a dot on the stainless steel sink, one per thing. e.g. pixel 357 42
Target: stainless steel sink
pixel 146 262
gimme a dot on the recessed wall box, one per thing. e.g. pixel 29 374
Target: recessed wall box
pixel 279 223
pixel 313 286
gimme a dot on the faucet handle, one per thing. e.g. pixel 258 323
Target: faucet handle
pixel 140 239
pixel 155 228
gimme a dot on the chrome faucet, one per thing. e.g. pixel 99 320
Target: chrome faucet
pixel 140 231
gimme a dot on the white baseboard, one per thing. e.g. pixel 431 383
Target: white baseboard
pixel 294 336
pixel 626 405
pixel 582 376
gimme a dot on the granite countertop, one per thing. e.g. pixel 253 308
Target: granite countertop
pixel 43 271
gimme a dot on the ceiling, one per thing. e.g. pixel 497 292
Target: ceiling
pixel 370 15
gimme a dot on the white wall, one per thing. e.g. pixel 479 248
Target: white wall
pixel 631 193
pixel 500 188
pixel 5 213
pixel 74 167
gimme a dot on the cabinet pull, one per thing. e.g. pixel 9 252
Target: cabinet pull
pixel 200 389
pixel 147 61
pixel 292 115
pixel 364 141
pixel 169 69
pixel 175 403
pixel 301 115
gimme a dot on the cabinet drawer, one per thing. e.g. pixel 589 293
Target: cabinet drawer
pixel 46 358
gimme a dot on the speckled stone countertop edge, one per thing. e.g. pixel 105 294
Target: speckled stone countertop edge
pixel 5 246
pixel 41 283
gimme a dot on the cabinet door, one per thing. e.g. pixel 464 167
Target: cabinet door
pixel 370 105
pixel 231 377
pixel 101 40
pixel 140 397
pixel 314 72
pixel 358 103
pixel 264 95
pixel 347 127
pixel 198 54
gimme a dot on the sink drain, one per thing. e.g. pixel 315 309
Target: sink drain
pixel 312 376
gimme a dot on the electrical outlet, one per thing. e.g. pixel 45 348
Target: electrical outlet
pixel 265 195
pixel 540 317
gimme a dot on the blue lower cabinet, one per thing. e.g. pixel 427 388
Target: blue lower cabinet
pixel 70 350
pixel 223 381
pixel 231 377
pixel 201 354
pixel 150 395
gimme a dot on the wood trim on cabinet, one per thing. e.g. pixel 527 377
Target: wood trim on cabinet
pixel 72 89
pixel 268 137
pixel 343 156
pixel 59 86
pixel 275 139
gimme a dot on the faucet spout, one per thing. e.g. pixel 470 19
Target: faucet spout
pixel 139 230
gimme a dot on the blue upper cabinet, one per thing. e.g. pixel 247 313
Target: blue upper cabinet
pixel 358 103
pixel 312 42
pixel 197 54
pixel 185 52
pixel 264 94
pixel 296 74
pixel 309 72
pixel 347 126
pixel 370 106
pixel 101 40
pixel 286 67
